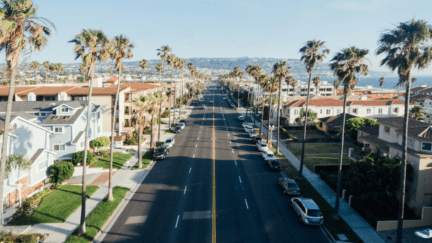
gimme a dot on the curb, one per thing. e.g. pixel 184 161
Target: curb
pixel 327 234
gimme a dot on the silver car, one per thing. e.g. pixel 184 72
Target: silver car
pixel 181 125
pixel 248 129
pixel 169 143
pixel 307 211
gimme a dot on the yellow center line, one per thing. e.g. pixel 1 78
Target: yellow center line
pixel 214 182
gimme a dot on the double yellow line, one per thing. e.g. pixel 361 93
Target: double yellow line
pixel 214 180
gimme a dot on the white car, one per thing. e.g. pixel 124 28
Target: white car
pixel 261 146
pixel 307 211
pixel 169 143
pixel 247 124
pixel 181 125
pixel 268 155
pixel 425 234
pixel 248 129
pixel 240 118
pixel 224 98
pixel 252 134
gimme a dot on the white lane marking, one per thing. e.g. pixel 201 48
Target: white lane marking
pixel 136 219
pixel 196 145
pixel 240 179
pixel 232 150
pixel 247 206
pixel 185 190
pixel 190 169
pixel 198 138
pixel 230 141
pixel 178 217
pixel 235 161
pixel 193 156
pixel 228 134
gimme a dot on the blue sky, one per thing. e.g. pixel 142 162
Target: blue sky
pixel 203 28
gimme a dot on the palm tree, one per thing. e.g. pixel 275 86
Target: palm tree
pixel 271 87
pixel 46 66
pixel 163 53
pixel 263 81
pixel 91 46
pixel 256 73
pixel 143 64
pixel 381 83
pixel 52 68
pixel 59 68
pixel 289 80
pixel 20 32
pixel 35 66
pixel 345 65
pixel 121 48
pixel 406 48
pixel 171 61
pixel 316 81
pixel 313 52
pixel 280 72
pixel 336 85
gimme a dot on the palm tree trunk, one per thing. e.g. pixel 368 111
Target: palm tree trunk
pixel 262 114
pixel 269 115
pixel 238 96
pixel 140 132
pixel 402 187
pixel 152 133
pixel 339 176
pixel 278 112
pixel 169 107
pixel 110 186
pixel 82 228
pixel 160 102
pixel 247 102
pixel 6 134
pixel 300 175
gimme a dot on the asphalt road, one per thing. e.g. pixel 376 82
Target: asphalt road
pixel 175 201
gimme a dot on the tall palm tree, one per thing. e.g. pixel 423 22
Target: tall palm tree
pixel 316 81
pixel 20 32
pixel 59 68
pixel 381 83
pixel 46 66
pixel 336 85
pixel 271 87
pixel 345 65
pixel 163 53
pixel 171 61
pixel 90 46
pixel 120 49
pixel 280 72
pixel 52 68
pixel 406 48
pixel 83 70
pixel 35 66
pixel 289 80
pixel 240 75
pixel 263 81
pixel 256 73
pixel 143 64
pixel 314 51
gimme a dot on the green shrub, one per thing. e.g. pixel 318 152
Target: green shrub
pixel 100 142
pixel 103 153
pixel 27 239
pixel 78 157
pixel 61 171
pixel 165 114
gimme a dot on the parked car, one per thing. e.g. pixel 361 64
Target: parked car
pixel 161 153
pixel 241 118
pixel 307 211
pixel 252 134
pixel 256 139
pixel 247 124
pixel 211 101
pixel 181 125
pixel 267 155
pixel 261 146
pixel 248 128
pixel 204 107
pixel 183 121
pixel 177 130
pixel 170 142
pixel 273 164
pixel 289 186
pixel 224 98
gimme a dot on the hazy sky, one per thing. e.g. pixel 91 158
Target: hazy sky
pixel 192 28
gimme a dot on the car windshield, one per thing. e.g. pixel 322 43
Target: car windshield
pixel 270 155
pixel 314 213
pixel 169 141
pixel 274 162
pixel 263 145
pixel 160 150
pixel 293 186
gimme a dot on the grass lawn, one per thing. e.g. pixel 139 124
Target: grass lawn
pixel 118 160
pixel 59 205
pixel 279 155
pixel 99 216
pixel 311 161
pixel 168 132
pixel 318 148
pixel 146 159
pixel 308 191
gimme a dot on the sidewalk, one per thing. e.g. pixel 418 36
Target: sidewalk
pixel 124 177
pixel 351 217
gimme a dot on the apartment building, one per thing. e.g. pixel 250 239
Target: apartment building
pixel 388 139
pixel 333 107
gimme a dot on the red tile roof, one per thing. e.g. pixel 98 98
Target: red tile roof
pixel 112 80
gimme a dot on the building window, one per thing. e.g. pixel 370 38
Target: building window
pixel 410 143
pixel 380 111
pixel 355 110
pixel 328 111
pixel 339 111
pixel 361 133
pixel 58 129
pixel 296 112
pixel 329 89
pixel 65 110
pixel 426 146
pixel 43 114
pixel 396 110
pixel 369 111
pixel 320 111
pixel 387 129
pixel 59 147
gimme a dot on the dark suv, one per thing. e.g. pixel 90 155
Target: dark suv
pixel 161 153
pixel 256 139
pixel 273 164
pixel 183 121
pixel 177 129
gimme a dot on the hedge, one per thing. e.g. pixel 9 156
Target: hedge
pixel 61 171
pixel 78 157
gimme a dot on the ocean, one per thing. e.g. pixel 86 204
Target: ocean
pixel 390 83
